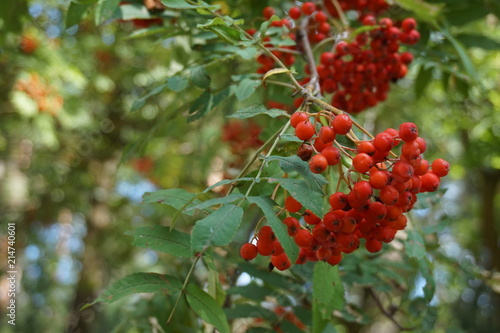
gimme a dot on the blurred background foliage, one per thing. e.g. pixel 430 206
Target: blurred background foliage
pixel 81 141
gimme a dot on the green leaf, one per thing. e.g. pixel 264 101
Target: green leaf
pixel 426 269
pixel 299 189
pixel 207 308
pixel 255 110
pixel 296 164
pixel 280 230
pixel 218 228
pixel 162 239
pixel 175 197
pixel 229 181
pixel 464 15
pixel 252 291
pixel 480 41
pixel 276 280
pixel 199 77
pixel 139 283
pixel 250 311
pixel 217 201
pixel 423 79
pixel 247 53
pixel 142 101
pixel 245 88
pixel 425 11
pixel 181 4
pixel 131 11
pixel 223 29
pixel 163 32
pixel 328 290
pixel 201 106
pixel 75 13
pixel 177 83
pixel 105 10
pixel 464 57
pixel 415 246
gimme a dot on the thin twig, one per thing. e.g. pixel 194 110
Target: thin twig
pixel 387 313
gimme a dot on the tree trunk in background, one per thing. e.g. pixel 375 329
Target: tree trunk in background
pixel 489 225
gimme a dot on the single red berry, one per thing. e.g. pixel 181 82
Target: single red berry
pixel 303 238
pixel 318 163
pixel 342 124
pixel 305 130
pixel 334 259
pixel 389 195
pixel 266 235
pixel 363 190
pixel 264 248
pixel 327 59
pixel 383 142
pixel 327 134
pixel 422 168
pixel 248 251
pixel 324 28
pixel 294 13
pixel 406 58
pixel 298 117
pixel 440 167
pixel 366 147
pixel 281 262
pixel 373 245
pixel 408 132
pixel 332 155
pixel 308 8
pixel 292 224
pixel 386 22
pixel 323 253
pixel 430 182
pixel 311 218
pixel 320 17
pixel 378 179
pixel 338 200
pixel 292 205
pixel 333 219
pixel 409 24
pixel 402 171
pixel 268 12
pixel 362 162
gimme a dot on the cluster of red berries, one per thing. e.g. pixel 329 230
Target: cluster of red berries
pixel 357 72
pixel 241 135
pixel 373 209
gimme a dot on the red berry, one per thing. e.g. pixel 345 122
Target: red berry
pixel 408 132
pixel 320 17
pixel 248 251
pixel 440 167
pixel 408 24
pixel 294 13
pixel 292 205
pixel 389 195
pixel 266 235
pixel 383 142
pixel 281 262
pixel 327 58
pixel 268 12
pixel 402 171
pixel 378 179
pixel 318 163
pixel 265 249
pixel 406 58
pixel 366 147
pixel 323 253
pixel 362 162
pixel 293 225
pixel 298 117
pixel 324 28
pixel 303 238
pixel 342 124
pixel 363 190
pixel 430 182
pixel 305 130
pixel 311 218
pixel 332 155
pixel 334 259
pixel 373 245
pixel 338 200
pixel 333 219
pixel 308 8
pixel 327 134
